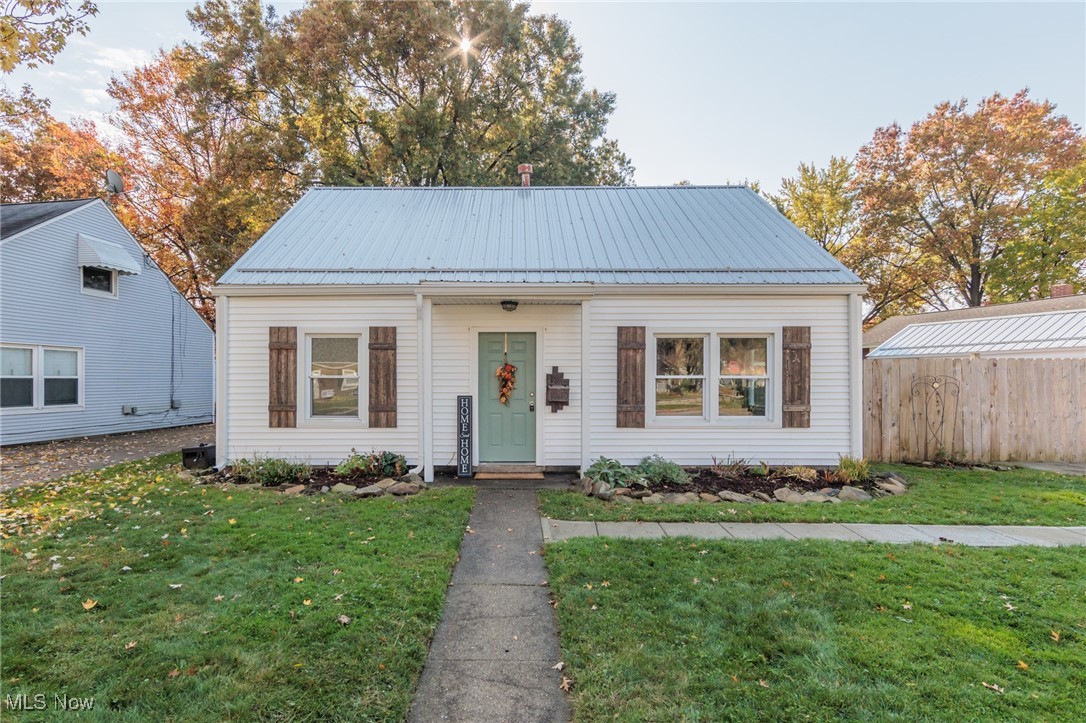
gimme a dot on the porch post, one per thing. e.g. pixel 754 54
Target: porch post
pixel 426 421
pixel 586 383
pixel 855 376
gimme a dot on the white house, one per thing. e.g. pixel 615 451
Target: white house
pixel 94 339
pixel 690 322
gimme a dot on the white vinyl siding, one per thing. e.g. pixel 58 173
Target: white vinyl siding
pixel 316 441
pixel 455 341
pixel 697 441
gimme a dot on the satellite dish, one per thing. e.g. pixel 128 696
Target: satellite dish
pixel 114 182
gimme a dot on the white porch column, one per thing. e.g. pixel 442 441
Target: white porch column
pixel 426 386
pixel 855 376
pixel 586 383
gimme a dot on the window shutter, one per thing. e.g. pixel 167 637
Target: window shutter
pixel 382 376
pixel 797 376
pixel 282 376
pixel 631 376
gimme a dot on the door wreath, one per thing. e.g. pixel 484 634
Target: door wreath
pixel 507 376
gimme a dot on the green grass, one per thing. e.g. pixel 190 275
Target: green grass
pixel 936 496
pixel 235 639
pixel 814 630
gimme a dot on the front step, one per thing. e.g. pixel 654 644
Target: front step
pixel 508 471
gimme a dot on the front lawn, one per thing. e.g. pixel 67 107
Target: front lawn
pixel 814 630
pixel 165 600
pixel 936 496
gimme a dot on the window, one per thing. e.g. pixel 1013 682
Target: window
pixel 16 377
pixel 40 377
pixel 744 376
pixel 680 376
pixel 333 376
pixel 101 282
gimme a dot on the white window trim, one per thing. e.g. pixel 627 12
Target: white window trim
pixel 95 292
pixel 706 340
pixel 711 416
pixel 304 396
pixel 38 360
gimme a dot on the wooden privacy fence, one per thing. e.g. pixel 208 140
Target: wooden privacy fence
pixel 981 410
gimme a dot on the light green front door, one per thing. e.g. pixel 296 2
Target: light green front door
pixel 507 431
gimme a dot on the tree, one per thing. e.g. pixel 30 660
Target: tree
pixel 203 190
pixel 823 202
pixel 1051 247
pixel 421 93
pixel 958 184
pixel 43 159
pixel 32 32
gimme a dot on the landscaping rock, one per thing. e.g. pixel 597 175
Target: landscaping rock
pixel 606 495
pixel 893 477
pixel 597 487
pixel 762 496
pixel 890 487
pixel 626 500
pixel 818 497
pixel 680 498
pixel 324 489
pixel 640 493
pixel 585 486
pixel 653 499
pixel 412 478
pixel 295 490
pixel 620 491
pixel 708 497
pixel 852 494
pixel 342 488
pixel 384 484
pixel 370 491
pixel 404 488
pixel 186 475
pixel 730 496
pixel 785 494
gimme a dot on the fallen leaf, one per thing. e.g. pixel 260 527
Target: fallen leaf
pixel 343 620
pixel 1023 665
pixel 174 673
pixel 558 666
pixel 307 602
pixel 1009 606
pixel 566 684
pixel 130 645
pixel 907 606
pixel 763 683
pixel 219 598
pixel 1055 635
pixel 338 597
pixel 336 572
pixel 996 688
pixel 88 604
pixel 232 521
pixel 299 579
pixel 175 586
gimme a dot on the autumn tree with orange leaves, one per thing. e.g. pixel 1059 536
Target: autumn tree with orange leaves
pixel 958 187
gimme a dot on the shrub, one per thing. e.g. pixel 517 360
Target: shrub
pixel 851 469
pixel 612 472
pixel 271 471
pixel 374 464
pixel 729 467
pixel 803 474
pixel 659 471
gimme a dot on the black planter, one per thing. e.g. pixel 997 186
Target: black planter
pixel 202 457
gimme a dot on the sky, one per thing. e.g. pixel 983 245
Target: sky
pixel 713 92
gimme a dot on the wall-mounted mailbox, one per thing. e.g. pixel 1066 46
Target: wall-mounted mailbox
pixel 557 390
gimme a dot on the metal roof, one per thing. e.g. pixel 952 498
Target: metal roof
pixel 997 335
pixel 885 329
pixel 605 235
pixel 18 217
pixel 104 255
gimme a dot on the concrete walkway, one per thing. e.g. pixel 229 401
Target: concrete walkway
pixel 972 535
pixel 493 654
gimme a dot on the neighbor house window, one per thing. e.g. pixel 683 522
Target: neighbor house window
pixel 333 376
pixel 39 377
pixel 16 377
pixel 680 376
pixel 744 376
pixel 99 281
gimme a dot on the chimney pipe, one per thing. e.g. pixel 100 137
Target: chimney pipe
pixel 1060 290
pixel 525 171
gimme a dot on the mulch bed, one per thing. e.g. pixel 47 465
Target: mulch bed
pixel 703 480
pixel 318 477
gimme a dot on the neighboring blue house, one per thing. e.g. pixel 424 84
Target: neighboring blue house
pixel 94 339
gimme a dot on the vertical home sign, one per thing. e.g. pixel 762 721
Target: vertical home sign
pixel 463 436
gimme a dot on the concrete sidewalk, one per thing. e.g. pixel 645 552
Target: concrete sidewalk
pixel 971 535
pixel 493 654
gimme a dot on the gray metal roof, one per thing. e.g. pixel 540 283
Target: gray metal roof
pixel 17 217
pixel 1061 330
pixel 605 235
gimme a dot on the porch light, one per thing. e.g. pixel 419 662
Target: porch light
pixel 510 305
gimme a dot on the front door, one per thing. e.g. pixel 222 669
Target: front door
pixel 507 431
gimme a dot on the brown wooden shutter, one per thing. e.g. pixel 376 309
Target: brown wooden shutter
pixel 282 376
pixel 382 376
pixel 797 376
pixel 631 376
